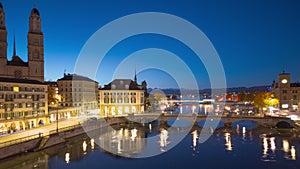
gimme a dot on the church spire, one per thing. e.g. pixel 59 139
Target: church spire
pixel 135 79
pixel 15 53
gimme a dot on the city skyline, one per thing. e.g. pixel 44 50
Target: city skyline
pixel 261 34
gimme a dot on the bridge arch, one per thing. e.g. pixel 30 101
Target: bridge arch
pixel 179 122
pixel 247 123
pixel 201 123
pixel 284 124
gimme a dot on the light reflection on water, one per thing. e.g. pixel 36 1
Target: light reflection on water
pixel 229 145
pixel 228 141
pixel 164 135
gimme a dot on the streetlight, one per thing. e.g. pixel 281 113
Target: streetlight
pixel 56 119
pixel 56 116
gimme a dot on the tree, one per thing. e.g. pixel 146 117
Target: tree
pixel 264 100
pixel 246 97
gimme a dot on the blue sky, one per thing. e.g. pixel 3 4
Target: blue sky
pixel 255 39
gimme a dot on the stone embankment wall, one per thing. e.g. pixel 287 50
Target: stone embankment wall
pixel 19 148
pixel 44 142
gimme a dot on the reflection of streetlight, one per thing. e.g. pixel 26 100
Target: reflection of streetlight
pixel 293 153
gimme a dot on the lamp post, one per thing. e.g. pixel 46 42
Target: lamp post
pixel 56 119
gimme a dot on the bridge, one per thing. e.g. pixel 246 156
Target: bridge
pixel 266 121
pixel 204 101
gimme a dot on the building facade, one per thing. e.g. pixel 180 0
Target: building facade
pixel 287 92
pixel 33 69
pixel 53 96
pixel 23 95
pixel 23 104
pixel 80 93
pixel 122 96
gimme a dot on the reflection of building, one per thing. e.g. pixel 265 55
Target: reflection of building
pixel 288 93
pixel 78 92
pixel 23 104
pixel 122 96
pixel 23 96
pixel 124 142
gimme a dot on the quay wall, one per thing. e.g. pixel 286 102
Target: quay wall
pixel 19 148
pixel 45 141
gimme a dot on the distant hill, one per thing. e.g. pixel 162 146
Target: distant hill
pixel 208 91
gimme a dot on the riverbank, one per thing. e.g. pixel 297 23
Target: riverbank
pixel 51 138
pixel 42 141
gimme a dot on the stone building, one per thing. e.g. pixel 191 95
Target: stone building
pixel 122 96
pixel 33 69
pixel 23 95
pixel 23 104
pixel 287 92
pixel 80 93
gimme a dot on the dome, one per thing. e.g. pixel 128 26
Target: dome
pixel 35 11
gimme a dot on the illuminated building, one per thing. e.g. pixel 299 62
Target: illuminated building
pixel 23 104
pixel 53 95
pixel 80 93
pixel 23 96
pixel 122 96
pixel 288 93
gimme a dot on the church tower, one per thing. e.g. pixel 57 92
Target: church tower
pixel 284 86
pixel 35 47
pixel 3 42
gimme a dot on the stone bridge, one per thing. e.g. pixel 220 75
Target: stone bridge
pixel 266 121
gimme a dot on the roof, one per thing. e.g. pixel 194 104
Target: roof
pixel 13 80
pixel 50 83
pixel 75 77
pixel 35 11
pixel 17 61
pixel 297 84
pixel 122 84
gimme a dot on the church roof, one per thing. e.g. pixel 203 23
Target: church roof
pixel 17 61
pixel 35 11
pixel 122 84
pixel 13 80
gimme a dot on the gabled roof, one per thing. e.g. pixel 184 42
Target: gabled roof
pixel 17 61
pixel 122 84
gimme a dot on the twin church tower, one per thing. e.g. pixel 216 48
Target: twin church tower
pixel 16 68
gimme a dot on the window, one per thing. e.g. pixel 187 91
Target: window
pixel 133 100
pixel 113 100
pixel 106 100
pixel 36 54
pixel 126 100
pixel 18 74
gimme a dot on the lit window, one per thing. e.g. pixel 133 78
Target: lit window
pixel 285 106
pixel 16 89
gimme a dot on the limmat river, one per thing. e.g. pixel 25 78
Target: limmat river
pixel 239 147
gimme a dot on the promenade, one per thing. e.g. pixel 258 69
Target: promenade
pixel 44 130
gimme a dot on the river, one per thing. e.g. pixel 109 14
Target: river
pixel 124 145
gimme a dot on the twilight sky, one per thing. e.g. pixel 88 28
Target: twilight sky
pixel 255 39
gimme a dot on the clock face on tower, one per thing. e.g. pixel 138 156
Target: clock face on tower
pixel 284 81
